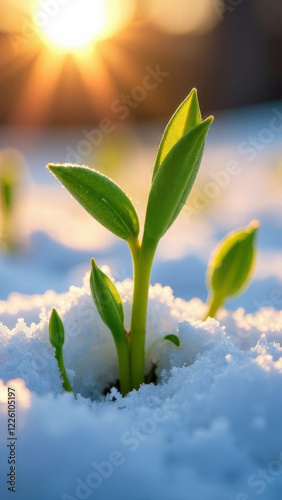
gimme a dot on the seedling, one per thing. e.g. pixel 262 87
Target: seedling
pixel 175 170
pixel 231 266
pixel 57 339
pixel 11 173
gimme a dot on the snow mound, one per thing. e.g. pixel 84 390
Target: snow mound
pixel 210 430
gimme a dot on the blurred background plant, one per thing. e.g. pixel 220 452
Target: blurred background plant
pixel 12 178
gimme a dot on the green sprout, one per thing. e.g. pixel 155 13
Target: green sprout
pixel 11 172
pixel 231 266
pixel 175 170
pixel 57 339
pixel 109 306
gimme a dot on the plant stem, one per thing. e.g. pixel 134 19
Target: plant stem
pixel 66 384
pixel 124 365
pixel 143 262
pixel 214 304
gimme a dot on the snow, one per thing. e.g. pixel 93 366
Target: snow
pixel 211 428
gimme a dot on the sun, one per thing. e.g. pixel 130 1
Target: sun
pixel 64 41
pixel 76 24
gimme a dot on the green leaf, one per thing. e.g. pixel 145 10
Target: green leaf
pixel 171 337
pixel 186 117
pixel 101 197
pixel 231 265
pixel 107 300
pixel 56 331
pixel 174 180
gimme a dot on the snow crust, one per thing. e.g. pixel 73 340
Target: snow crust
pixel 210 430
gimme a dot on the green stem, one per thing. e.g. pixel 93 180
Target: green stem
pixel 143 262
pixel 66 384
pixel 124 365
pixel 214 304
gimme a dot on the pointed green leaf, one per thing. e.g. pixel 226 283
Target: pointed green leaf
pixel 186 117
pixel 231 265
pixel 171 337
pixel 101 197
pixel 107 300
pixel 109 306
pixel 56 330
pixel 174 180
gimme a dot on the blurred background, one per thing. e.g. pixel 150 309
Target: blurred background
pixel 64 61
pixel 94 82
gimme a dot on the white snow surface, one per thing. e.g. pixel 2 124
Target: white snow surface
pixel 210 430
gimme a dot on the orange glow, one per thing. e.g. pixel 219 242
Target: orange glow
pixel 60 36
pixel 36 98
pixel 183 16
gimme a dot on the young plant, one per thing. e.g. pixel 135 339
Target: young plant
pixel 11 172
pixel 175 170
pixel 231 266
pixel 57 339
pixel 109 306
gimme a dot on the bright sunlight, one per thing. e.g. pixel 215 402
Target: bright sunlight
pixel 76 24
pixel 70 30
